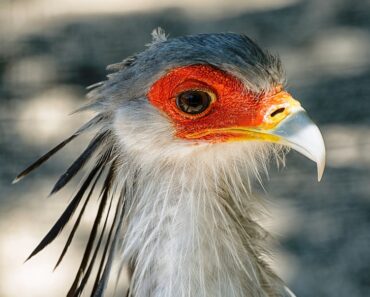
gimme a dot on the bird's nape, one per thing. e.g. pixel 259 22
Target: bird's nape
pixel 182 129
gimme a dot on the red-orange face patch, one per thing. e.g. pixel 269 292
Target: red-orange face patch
pixel 233 106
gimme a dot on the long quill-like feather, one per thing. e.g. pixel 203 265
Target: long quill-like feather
pixel 94 121
pixel 77 223
pixel 67 214
pixel 75 290
pixel 80 162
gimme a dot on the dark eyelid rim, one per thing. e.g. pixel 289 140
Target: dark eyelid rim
pixel 193 85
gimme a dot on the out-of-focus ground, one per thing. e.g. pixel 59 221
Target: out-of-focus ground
pixel 51 50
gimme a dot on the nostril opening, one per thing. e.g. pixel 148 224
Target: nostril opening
pixel 279 110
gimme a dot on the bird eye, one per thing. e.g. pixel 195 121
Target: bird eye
pixel 193 101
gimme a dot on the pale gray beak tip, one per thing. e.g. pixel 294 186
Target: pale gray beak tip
pixel 300 133
pixel 320 168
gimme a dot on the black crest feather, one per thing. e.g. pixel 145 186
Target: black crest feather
pixel 94 121
pixel 69 211
pixel 83 274
pixel 77 223
pixel 101 241
pixel 80 162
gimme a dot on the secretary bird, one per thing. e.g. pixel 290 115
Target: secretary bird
pixel 182 130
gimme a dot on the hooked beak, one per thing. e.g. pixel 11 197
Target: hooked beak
pixel 299 132
pixel 286 122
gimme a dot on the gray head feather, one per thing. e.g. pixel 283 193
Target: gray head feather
pixel 158 36
pixel 236 54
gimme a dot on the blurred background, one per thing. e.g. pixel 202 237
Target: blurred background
pixel 50 50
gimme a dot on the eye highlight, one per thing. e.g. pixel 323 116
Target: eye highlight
pixel 194 102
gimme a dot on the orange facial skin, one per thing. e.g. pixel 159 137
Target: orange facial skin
pixel 234 108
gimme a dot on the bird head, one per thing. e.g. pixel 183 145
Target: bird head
pixel 204 99
pixel 219 91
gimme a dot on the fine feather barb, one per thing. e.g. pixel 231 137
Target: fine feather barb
pixel 77 223
pixel 100 286
pixel 74 290
pixel 67 214
pixel 44 158
pixel 54 150
pixel 92 261
pixel 79 162
pixel 106 248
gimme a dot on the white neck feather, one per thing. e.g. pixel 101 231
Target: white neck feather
pixel 190 228
pixel 190 231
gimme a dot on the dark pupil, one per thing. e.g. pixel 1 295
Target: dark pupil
pixel 193 102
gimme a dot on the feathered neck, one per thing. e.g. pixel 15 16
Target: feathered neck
pixel 190 231
pixel 183 224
